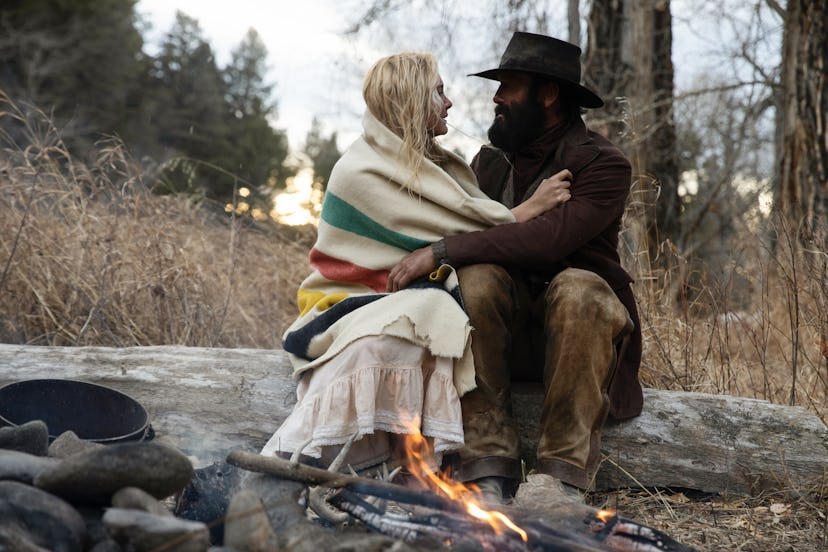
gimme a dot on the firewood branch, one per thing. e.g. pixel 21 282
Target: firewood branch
pixel 309 475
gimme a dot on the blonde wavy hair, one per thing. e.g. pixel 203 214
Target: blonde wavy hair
pixel 399 91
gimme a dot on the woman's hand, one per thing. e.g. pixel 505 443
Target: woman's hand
pixel 417 263
pixel 551 192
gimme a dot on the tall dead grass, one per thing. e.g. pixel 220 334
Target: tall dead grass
pixel 89 256
pixel 755 328
pixel 773 348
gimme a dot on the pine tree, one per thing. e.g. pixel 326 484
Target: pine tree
pixel 190 112
pixel 259 150
pixel 79 60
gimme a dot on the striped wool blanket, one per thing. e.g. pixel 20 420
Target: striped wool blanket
pixel 369 221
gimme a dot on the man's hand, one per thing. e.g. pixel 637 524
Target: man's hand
pixel 417 263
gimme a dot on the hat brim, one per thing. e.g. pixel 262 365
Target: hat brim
pixel 585 96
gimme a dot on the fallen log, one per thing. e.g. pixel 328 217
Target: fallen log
pixel 711 443
pixel 211 401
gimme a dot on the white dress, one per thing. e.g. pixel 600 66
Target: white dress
pixel 377 387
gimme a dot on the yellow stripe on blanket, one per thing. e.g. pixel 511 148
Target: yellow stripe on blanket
pixel 309 299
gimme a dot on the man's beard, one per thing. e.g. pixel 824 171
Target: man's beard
pixel 520 125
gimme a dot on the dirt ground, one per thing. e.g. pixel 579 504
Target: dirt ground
pixel 780 522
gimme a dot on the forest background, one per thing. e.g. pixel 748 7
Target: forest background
pixel 140 191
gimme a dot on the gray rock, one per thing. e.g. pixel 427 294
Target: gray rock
pixel 142 531
pixel 22 466
pixel 280 496
pixel 31 437
pixel 297 534
pixel 108 545
pixel 95 530
pixel 133 498
pixel 541 490
pixel 68 444
pixel 92 477
pixel 246 525
pixel 15 539
pixel 39 519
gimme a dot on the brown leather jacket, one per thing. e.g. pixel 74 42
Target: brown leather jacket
pixel 582 233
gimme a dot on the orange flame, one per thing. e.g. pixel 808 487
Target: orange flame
pixel 418 452
pixel 605 515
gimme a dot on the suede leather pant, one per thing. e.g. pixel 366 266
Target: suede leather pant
pixel 566 334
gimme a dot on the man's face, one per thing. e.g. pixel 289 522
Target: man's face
pixel 519 117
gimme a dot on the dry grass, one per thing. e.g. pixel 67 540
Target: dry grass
pixel 88 256
pixel 772 349
pixel 781 522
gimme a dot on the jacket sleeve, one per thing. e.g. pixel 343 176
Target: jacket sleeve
pixel 599 194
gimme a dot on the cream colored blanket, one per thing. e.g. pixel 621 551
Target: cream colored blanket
pixel 368 223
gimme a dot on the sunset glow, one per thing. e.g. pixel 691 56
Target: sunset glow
pixel 301 201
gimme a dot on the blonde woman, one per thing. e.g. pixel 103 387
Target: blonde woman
pixel 371 363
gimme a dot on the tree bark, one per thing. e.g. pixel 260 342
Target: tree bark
pixel 573 18
pixel 803 163
pixel 629 63
pixel 211 401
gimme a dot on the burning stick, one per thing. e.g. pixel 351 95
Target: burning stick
pixel 450 528
pixel 314 476
pixel 627 536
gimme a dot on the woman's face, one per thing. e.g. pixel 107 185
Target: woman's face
pixel 440 105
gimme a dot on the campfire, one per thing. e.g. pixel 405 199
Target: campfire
pixel 451 513
pixel 418 453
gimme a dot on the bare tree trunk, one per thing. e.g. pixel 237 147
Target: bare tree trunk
pixel 802 194
pixel 629 62
pixel 660 145
pixel 803 164
pixel 605 70
pixel 573 14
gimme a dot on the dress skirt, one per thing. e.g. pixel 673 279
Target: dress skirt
pixel 379 388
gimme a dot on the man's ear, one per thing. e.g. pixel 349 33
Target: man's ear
pixel 548 94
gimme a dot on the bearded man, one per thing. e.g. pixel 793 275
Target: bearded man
pixel 548 298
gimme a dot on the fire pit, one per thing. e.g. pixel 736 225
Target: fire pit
pixel 94 412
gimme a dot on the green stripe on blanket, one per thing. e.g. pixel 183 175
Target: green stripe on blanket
pixel 341 214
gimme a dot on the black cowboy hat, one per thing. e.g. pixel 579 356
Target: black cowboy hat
pixel 548 57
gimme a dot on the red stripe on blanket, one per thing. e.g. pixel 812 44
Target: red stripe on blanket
pixel 343 271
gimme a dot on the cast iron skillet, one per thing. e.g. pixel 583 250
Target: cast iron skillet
pixel 94 412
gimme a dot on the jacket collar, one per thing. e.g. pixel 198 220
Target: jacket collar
pixel 568 151
pixel 577 148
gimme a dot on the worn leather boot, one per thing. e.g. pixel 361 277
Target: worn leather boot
pixel 496 490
